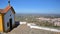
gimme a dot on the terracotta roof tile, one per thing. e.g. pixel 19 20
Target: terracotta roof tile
pixel 6 9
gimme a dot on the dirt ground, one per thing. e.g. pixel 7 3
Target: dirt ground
pixel 24 29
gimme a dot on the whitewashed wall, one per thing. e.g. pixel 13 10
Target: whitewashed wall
pixel 7 17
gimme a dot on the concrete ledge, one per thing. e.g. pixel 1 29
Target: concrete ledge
pixel 29 24
pixel 22 22
pixel 43 28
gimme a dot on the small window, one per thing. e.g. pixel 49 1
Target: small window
pixel 10 14
pixel 8 24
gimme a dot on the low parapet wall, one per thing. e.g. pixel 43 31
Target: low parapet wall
pixel 33 25
pixel 23 22
pixel 43 28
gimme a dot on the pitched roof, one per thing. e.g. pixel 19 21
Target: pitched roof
pixel 5 10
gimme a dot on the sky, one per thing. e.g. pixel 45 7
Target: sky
pixel 33 6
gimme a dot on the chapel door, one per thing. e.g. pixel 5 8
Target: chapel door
pixel 10 24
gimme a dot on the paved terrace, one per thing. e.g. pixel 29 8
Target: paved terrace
pixel 31 28
pixel 24 29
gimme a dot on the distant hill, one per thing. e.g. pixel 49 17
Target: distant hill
pixel 41 15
